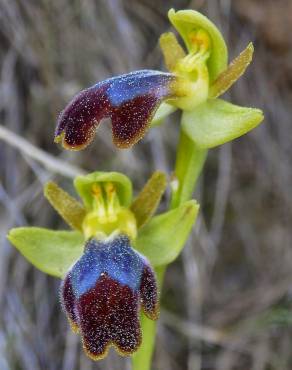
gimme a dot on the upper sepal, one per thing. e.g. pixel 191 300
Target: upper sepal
pixel 187 22
pixel 217 122
pixel 130 100
pixel 84 184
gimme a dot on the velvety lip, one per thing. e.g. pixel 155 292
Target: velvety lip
pixel 130 100
pixel 102 295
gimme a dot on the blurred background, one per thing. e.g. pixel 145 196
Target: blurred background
pixel 227 300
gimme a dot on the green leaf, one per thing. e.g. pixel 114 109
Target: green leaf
pixel 52 252
pixel 83 186
pixel 162 112
pixel 186 21
pixel 68 207
pixel 144 206
pixel 163 237
pixel 217 121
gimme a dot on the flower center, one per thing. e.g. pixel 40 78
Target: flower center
pixel 108 216
pixel 193 86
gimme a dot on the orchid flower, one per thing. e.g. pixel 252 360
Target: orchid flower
pixel 137 100
pixel 106 264
pixel 109 264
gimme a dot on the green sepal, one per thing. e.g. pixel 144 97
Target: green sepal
pixel 52 252
pixel 162 112
pixel 185 21
pixel 163 237
pixel 147 201
pixel 68 207
pixel 217 122
pixel 83 186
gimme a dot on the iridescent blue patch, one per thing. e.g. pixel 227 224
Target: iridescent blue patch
pixel 103 293
pixel 130 100
pixel 140 83
pixel 116 258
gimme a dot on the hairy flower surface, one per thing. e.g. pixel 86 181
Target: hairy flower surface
pixel 197 77
pixel 102 294
pixel 130 101
pixel 106 280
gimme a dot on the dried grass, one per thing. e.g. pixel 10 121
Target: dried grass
pixel 227 300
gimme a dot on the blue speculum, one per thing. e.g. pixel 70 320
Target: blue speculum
pixel 102 295
pixel 130 100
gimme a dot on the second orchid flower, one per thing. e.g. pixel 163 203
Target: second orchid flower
pixel 106 263
pixel 136 100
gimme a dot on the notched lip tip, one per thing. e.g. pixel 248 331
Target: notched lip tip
pixel 129 143
pixel 123 144
pixel 93 357
pixel 60 139
pixel 74 148
pixel 104 354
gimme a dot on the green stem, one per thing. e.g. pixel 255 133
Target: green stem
pixel 188 166
pixel 142 359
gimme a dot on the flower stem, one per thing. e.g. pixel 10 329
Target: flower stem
pixel 142 359
pixel 188 166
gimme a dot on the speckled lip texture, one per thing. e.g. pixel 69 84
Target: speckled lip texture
pixel 130 100
pixel 102 295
